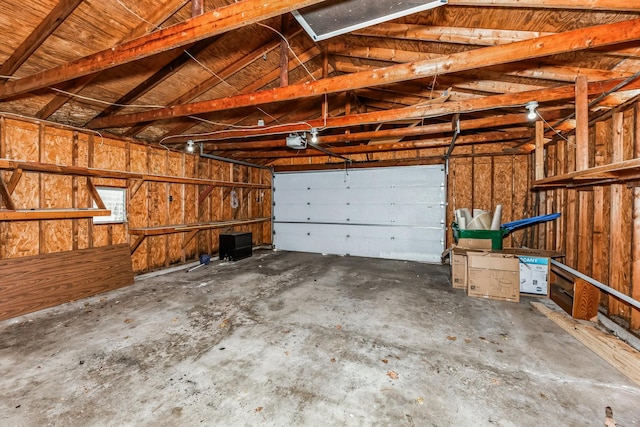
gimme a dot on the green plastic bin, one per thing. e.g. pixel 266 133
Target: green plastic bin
pixel 496 236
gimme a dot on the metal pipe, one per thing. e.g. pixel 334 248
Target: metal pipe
pixel 328 152
pixel 228 160
pixel 602 286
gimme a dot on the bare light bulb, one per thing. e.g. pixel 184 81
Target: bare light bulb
pixel 314 135
pixel 190 146
pixel 531 106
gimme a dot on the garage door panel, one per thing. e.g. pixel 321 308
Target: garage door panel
pixel 407 243
pixel 392 194
pixel 395 213
pixel 372 213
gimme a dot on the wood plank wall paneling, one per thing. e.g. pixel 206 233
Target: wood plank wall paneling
pixel 41 281
pixel 602 223
pixel 150 205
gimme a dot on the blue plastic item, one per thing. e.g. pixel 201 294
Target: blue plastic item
pixel 526 222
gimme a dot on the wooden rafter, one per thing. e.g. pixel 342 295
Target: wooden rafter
pixel 431 129
pixel 213 81
pixel 585 38
pixel 621 5
pixel 509 100
pixel 156 78
pixel 486 137
pixel 259 83
pixel 157 17
pixel 207 25
pixel 58 14
pixel 521 69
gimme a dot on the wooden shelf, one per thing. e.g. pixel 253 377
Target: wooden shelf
pixel 192 229
pixel 36 214
pixel 613 173
pixel 6 164
pixel 185 228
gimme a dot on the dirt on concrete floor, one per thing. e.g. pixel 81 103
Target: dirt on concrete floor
pixel 284 339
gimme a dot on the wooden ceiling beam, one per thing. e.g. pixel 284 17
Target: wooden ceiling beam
pixel 170 68
pixel 47 26
pixel 268 78
pixel 509 100
pixel 430 129
pixel 213 81
pixel 520 69
pixel 457 35
pixel 151 23
pixel 620 5
pixel 221 20
pixel 481 138
pixel 570 41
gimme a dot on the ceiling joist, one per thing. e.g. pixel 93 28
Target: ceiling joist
pixel 571 41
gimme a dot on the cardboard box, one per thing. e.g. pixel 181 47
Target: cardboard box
pixel 534 275
pixel 474 244
pixel 458 268
pixel 493 275
pixel 533 252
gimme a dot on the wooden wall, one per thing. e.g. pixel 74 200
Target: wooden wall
pixel 600 225
pixel 153 204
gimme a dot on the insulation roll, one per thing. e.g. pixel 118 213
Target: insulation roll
pixel 497 218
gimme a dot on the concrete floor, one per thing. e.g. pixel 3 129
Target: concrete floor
pixel 283 339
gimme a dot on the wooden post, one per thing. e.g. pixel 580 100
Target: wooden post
pixel 284 53
pixel 620 246
pixel 539 149
pixel 41 190
pixel 197 8
pixel 635 272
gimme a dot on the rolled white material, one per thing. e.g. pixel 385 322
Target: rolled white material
pixel 467 214
pixel 497 218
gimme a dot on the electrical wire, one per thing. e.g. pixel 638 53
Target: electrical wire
pixel 551 127
pixel 288 47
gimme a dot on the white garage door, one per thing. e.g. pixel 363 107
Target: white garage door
pixel 395 213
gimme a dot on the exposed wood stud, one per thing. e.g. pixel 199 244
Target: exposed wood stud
pixel 197 7
pixel 74 192
pixel 284 53
pixel 539 153
pixel 635 251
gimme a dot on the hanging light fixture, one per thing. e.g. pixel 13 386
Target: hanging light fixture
pixel 190 146
pixel 531 106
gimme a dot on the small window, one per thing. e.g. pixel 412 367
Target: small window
pixel 115 199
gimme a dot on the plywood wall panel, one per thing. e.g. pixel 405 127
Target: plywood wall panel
pixel 138 159
pixel 482 183
pixel 119 234
pixel 83 233
pixel 157 251
pixel 22 239
pixel 137 209
pixel 503 178
pixel 22 141
pixel 521 207
pixel 100 235
pixel 57 236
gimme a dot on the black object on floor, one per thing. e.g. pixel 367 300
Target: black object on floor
pixel 235 246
